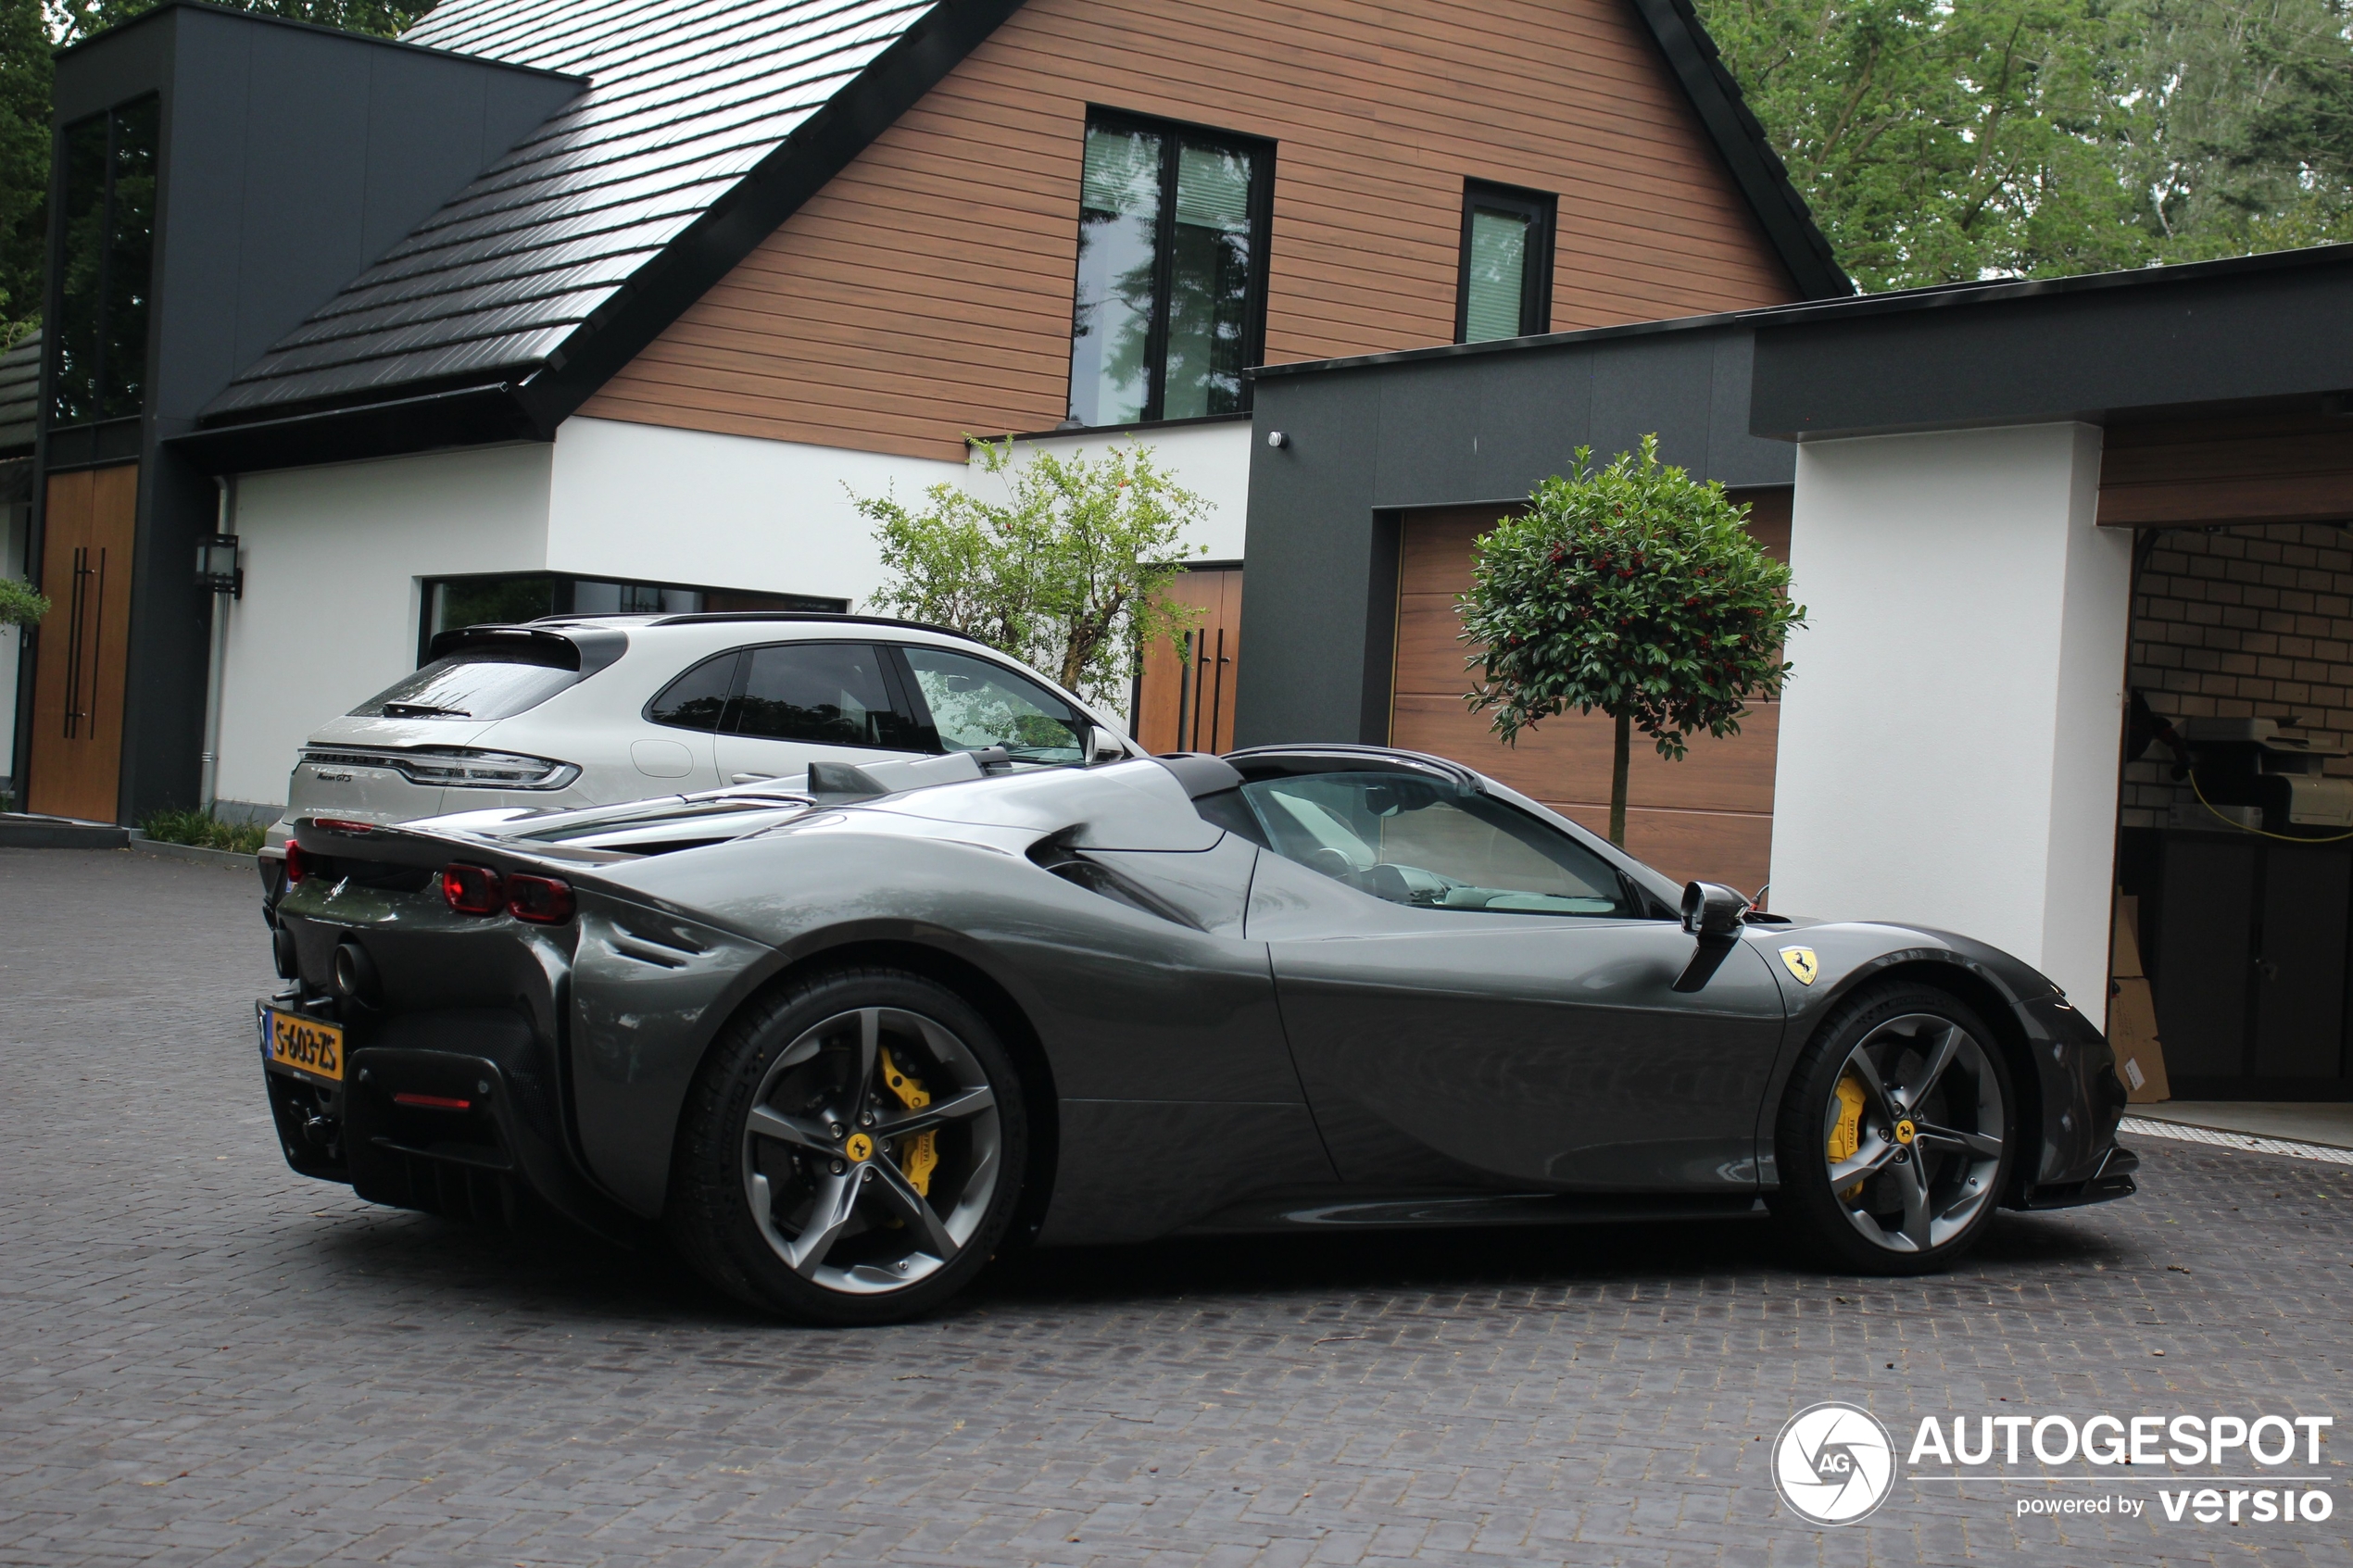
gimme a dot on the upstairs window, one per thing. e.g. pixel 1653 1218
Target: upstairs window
pixel 1507 287
pixel 106 249
pixel 1170 307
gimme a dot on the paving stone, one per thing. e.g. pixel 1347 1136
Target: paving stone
pixel 207 1359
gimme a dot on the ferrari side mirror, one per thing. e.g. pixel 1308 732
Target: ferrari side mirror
pixel 1711 913
pixel 1712 910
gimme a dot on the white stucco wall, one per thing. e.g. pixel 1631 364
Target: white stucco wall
pixel 1949 738
pixel 332 557
pixel 646 502
pixel 682 506
pixel 1212 460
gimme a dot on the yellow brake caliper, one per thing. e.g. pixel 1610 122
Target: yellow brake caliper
pixel 917 1156
pixel 1846 1132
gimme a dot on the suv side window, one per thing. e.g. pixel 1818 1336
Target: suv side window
pixel 831 694
pixel 974 704
pixel 697 699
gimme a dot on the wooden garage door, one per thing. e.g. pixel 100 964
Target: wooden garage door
pixel 1709 816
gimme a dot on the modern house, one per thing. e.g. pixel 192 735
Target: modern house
pixel 2009 509
pixel 567 304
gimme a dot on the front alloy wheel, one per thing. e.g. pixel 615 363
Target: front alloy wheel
pixel 1895 1139
pixel 852 1150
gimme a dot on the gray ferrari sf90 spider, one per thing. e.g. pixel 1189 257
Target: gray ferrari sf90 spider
pixel 842 1039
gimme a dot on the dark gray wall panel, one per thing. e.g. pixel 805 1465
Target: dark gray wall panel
pixel 1734 456
pixel 1481 428
pixel 2263 328
pixel 1660 385
pixel 1310 548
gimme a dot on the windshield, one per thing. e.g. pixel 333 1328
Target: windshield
pixel 1423 841
pixel 476 683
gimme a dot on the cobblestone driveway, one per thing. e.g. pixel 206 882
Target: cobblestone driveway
pixel 209 1360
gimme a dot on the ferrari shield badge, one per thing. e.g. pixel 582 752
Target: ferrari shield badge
pixel 1801 964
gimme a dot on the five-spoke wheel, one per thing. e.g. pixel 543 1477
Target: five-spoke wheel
pixel 1894 1140
pixel 875 1129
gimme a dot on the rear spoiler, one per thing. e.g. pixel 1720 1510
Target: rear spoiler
pixel 585 648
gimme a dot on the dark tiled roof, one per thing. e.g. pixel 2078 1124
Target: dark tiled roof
pixel 19 395
pixel 686 97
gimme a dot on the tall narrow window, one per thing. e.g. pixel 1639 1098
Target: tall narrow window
pixel 1172 248
pixel 106 255
pixel 1507 264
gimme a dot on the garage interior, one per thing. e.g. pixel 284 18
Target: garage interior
pixel 2241 610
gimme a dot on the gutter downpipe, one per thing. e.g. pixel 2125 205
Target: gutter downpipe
pixel 218 670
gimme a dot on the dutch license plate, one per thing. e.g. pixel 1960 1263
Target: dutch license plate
pixel 302 1044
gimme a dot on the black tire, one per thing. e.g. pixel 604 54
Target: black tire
pixel 1924 1182
pixel 844 1218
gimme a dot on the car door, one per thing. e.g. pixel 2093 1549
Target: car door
pixel 1473 996
pixel 798 703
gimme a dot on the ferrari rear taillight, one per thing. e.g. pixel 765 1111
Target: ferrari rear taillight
pixel 478 890
pixel 472 890
pixel 293 862
pixel 542 901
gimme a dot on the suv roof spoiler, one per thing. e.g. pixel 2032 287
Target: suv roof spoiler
pixel 712 617
pixel 585 648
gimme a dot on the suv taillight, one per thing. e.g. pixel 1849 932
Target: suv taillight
pixel 293 862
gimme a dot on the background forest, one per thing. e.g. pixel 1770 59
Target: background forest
pixel 2026 138
pixel 1938 140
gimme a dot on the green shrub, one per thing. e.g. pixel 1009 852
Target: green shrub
pixel 204 831
pixel 19 606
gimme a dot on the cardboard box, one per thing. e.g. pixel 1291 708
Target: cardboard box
pixel 2132 1012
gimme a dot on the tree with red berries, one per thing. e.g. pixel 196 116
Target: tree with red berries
pixel 1634 589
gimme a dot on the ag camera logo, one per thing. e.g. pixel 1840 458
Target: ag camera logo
pixel 1833 1463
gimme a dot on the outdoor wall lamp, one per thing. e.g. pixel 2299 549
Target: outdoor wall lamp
pixel 216 569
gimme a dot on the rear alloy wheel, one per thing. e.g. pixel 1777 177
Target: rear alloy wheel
pixel 854 1150
pixel 1895 1134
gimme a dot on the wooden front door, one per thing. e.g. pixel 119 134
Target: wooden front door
pixel 1184 702
pixel 83 642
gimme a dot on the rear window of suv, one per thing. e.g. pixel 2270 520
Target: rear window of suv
pixel 476 683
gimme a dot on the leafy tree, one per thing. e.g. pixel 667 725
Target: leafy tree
pixel 19 604
pixel 24 163
pixel 29 32
pixel 1634 589
pixel 1942 141
pixel 1065 573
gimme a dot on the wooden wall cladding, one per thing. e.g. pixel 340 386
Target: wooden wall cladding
pixel 1709 816
pixel 926 292
pixel 2185 474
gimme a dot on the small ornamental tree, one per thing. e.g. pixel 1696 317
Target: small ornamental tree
pixel 1633 589
pixel 1067 574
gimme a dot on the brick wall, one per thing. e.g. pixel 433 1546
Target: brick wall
pixel 2237 622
